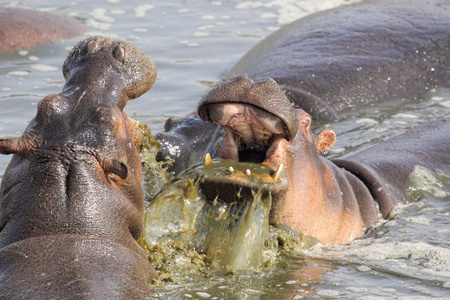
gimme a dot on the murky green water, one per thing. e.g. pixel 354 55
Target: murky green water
pixel 194 43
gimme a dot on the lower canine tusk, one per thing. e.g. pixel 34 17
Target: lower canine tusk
pixel 278 172
pixel 207 159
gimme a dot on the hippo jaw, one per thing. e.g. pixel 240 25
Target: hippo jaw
pixel 284 143
pixel 258 121
pixel 250 131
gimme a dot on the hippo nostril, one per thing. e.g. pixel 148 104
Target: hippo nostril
pixel 119 52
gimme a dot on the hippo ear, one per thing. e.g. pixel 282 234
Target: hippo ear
pixel 8 145
pixel 11 145
pixel 325 141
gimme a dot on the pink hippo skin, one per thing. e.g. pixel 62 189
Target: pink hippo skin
pixel 25 28
pixel 332 201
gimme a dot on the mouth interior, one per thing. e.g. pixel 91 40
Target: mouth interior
pixel 251 132
pixel 253 136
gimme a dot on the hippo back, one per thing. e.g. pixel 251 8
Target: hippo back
pixel 357 54
pixel 26 28
pixel 385 168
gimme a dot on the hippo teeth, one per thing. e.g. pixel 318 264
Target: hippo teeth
pixel 278 172
pixel 207 159
pixel 251 135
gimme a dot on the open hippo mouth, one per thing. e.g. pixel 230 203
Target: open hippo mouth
pixel 258 121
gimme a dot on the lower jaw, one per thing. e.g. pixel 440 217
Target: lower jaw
pixel 231 180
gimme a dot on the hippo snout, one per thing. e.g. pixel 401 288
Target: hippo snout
pixel 265 95
pixel 137 70
pixel 259 123
pixel 254 115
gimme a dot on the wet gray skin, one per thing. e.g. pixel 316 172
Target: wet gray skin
pixel 71 202
pixel 357 54
pixel 337 59
pixel 184 141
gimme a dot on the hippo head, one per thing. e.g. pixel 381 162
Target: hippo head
pixel 254 115
pixel 261 126
pixel 81 150
pixel 117 66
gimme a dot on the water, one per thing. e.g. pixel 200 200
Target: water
pixel 193 44
pixel 189 236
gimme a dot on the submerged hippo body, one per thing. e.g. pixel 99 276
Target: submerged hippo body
pixel 71 203
pixel 25 28
pixel 352 55
pixel 332 201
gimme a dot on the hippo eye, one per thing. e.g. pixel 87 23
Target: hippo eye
pixel 114 166
pixel 119 52
pixel 306 122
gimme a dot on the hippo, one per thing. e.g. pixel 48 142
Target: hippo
pixel 337 59
pixel 71 202
pixel 183 141
pixel 352 55
pixel 25 28
pixel 333 201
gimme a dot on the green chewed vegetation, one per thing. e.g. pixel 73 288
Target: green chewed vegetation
pixel 214 219
pixel 156 174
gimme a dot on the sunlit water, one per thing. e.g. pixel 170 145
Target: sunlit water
pixel 193 44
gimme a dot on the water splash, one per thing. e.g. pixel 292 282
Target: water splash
pixel 190 236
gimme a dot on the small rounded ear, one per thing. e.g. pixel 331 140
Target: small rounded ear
pixel 325 141
pixel 119 52
pixel 16 145
pixel 9 145
pixel 94 45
